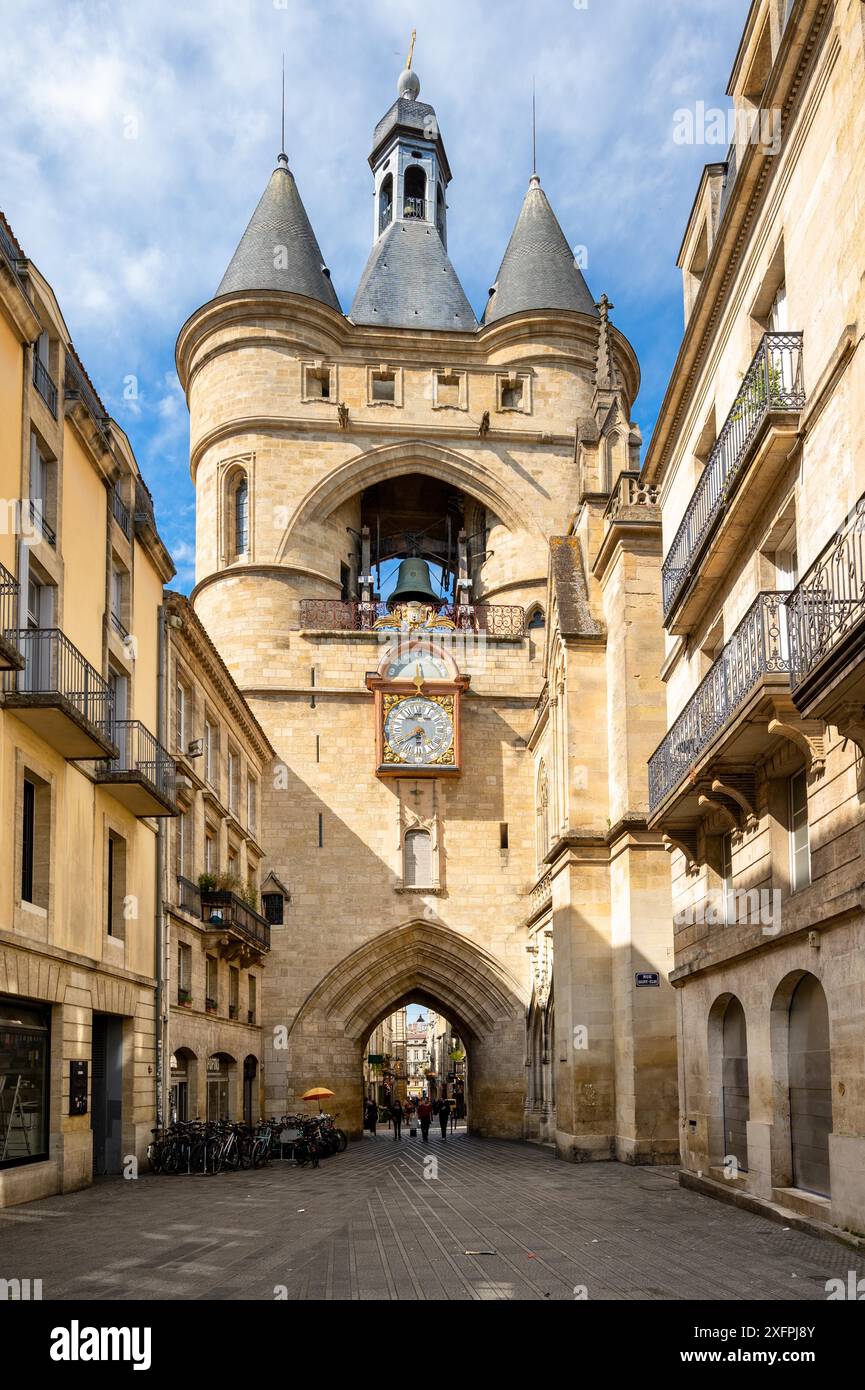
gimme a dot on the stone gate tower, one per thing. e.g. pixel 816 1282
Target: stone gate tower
pixel 459 803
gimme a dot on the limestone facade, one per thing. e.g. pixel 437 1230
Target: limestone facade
pixel 519 433
pixel 84 786
pixel 759 462
pixel 218 901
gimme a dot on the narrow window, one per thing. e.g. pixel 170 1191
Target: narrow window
pixel 318 748
pixel 211 985
pixel 233 780
pixel 28 834
pixel 385 203
pixel 273 907
pixel 503 835
pixel 180 718
pixel 512 395
pixel 251 803
pixel 800 848
pixel 250 1016
pixel 184 973
pixel 320 830
pixel 233 991
pixel 241 518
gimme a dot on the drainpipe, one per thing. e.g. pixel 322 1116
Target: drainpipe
pixel 161 930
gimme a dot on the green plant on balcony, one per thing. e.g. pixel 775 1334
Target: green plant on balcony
pixel 207 883
pixel 210 1005
pixel 250 895
pixel 763 389
pixel 184 996
pixel 229 883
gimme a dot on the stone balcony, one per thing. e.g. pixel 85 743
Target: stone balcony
pixel 739 713
pixel 740 473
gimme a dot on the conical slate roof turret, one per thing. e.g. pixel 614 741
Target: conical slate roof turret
pixel 278 250
pixel 538 270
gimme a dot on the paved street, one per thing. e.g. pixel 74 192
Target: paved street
pixel 500 1221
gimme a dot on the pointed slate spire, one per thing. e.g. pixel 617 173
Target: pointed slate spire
pixel 278 250
pixel 538 270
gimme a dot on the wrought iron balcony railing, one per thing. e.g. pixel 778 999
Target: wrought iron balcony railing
pixel 54 666
pixel 773 382
pixel 10 656
pixel 44 383
pixel 118 626
pixel 335 615
pixel 76 383
pixel 141 753
pixel 188 896
pixel 222 908
pixel 414 207
pixel 759 646
pixel 828 603
pixel 37 516
pixel 122 515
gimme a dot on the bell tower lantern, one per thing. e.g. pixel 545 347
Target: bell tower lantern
pixel 408 162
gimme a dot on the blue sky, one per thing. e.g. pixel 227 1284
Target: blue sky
pixel 137 139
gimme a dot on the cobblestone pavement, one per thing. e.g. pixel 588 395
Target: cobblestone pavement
pixel 499 1221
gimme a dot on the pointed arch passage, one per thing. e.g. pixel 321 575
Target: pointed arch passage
pixel 431 964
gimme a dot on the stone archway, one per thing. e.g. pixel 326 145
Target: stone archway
pixel 429 964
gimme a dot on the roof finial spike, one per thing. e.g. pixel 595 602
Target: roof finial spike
pixel 408 85
pixel 283 157
pixel 534 134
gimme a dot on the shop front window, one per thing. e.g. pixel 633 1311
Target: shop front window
pixel 24 1080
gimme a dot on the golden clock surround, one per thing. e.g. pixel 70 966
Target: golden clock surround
pixel 443 692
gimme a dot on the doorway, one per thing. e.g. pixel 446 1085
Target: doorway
pixel 107 1104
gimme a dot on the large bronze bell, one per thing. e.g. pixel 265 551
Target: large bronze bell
pixel 413 583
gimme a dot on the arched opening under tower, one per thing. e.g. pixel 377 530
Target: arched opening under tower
pixel 415 514
pixel 420 963
pixel 416 1053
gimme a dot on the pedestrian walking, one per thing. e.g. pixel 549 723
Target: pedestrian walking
pixel 371 1116
pixel 444 1115
pixel 424 1114
pixel 396 1116
pixel 412 1122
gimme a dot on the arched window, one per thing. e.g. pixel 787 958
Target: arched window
pixel 810 1085
pixel 542 797
pixel 385 202
pixel 734 1083
pixel 241 516
pixel 414 192
pixel 536 619
pixel 417 859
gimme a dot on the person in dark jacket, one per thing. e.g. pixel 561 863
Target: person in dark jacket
pixel 424 1114
pixel 396 1116
pixel 444 1114
pixel 371 1116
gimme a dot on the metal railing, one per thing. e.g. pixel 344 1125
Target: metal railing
pixel 44 383
pixel 829 599
pixel 759 646
pixel 141 752
pixel 118 626
pixel 232 911
pixel 772 382
pixel 8 248
pixel 54 666
pixel 122 515
pixel 188 896
pixel 9 590
pixel 37 516
pixel 414 207
pixel 336 615
pixel 77 382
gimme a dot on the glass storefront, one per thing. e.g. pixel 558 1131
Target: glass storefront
pixel 24 1082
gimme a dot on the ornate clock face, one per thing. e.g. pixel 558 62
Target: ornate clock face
pixel 419 730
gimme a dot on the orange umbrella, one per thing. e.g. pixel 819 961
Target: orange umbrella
pixel 317 1093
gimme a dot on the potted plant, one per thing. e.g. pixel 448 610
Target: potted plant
pixel 206 883
pixel 184 996
pixel 210 1005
